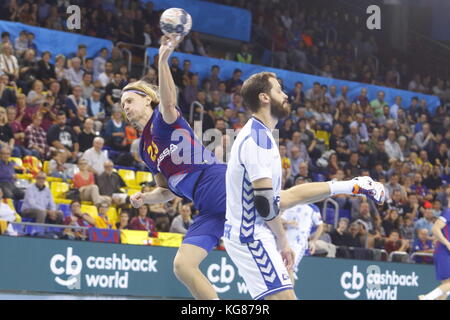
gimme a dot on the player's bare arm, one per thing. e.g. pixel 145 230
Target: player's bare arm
pixel 160 194
pixel 167 88
pixel 276 223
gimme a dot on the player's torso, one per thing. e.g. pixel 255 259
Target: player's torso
pixel 241 216
pixel 172 149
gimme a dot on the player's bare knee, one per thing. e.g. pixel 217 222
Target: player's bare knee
pixel 282 295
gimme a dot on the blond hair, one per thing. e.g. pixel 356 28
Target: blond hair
pixel 146 88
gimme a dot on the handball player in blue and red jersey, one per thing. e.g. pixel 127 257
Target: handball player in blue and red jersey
pixel 441 230
pixel 182 167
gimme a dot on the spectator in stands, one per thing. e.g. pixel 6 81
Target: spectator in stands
pixel 38 202
pixel 123 223
pixel 244 55
pixel 113 92
pixel 214 78
pixel 46 70
pixel 407 228
pixel 36 94
pixel 95 157
pixel 379 156
pixel 116 59
pixel 36 137
pixel 6 134
pixel 96 107
pixel 365 216
pixel 102 221
pixel 109 182
pixel 391 221
pixel 7 93
pixel 425 139
pixel 80 54
pixel 63 137
pixel 100 63
pixel 21 43
pixel 58 166
pixel 60 67
pixel 182 222
pixel 394 243
pixel 190 91
pixel 115 131
pixel 418 188
pixel 18 133
pixel 77 219
pixel 87 86
pixel 234 81
pixel 378 104
pixel 142 221
pixel 74 73
pixel 74 101
pixel 422 244
pixel 392 147
pixel 353 138
pixel 8 62
pixel 426 222
pixel 134 157
pixel 80 117
pixel 8 175
pixel 87 135
pixel 84 181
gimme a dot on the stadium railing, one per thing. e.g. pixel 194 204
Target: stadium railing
pixel 336 211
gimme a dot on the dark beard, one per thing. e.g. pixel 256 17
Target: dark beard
pixel 277 110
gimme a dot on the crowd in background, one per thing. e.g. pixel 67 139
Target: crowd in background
pixel 68 113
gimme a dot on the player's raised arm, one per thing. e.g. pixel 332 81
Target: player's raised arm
pixel 167 88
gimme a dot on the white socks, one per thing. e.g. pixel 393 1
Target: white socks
pixel 433 295
pixel 341 187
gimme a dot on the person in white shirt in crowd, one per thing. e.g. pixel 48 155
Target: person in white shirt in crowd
pixel 95 157
pixel 86 85
pixel 393 110
pixel 106 76
pixel 21 43
pixel 8 62
pixel 298 222
pixel 182 222
pixel 392 147
pixel 363 132
pixel 38 202
pixel 75 74
pixel 99 63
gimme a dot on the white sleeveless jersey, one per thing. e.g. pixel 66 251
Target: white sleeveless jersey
pixel 306 217
pixel 254 155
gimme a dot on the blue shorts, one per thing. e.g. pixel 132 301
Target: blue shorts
pixel 210 201
pixel 442 262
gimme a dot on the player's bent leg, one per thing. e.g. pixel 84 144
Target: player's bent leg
pixel 186 268
pixel 287 294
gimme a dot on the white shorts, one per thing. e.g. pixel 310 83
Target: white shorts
pixel 261 266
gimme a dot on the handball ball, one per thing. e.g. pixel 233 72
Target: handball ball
pixel 175 20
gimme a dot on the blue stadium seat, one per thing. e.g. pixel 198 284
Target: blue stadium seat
pixel 345 213
pixel 329 216
pixel 28 220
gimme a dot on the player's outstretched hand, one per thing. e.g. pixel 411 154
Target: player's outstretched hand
pixel 137 200
pixel 168 44
pixel 288 257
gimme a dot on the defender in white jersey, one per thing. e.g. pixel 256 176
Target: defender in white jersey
pixel 298 222
pixel 253 235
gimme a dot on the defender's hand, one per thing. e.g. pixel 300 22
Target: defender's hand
pixel 137 200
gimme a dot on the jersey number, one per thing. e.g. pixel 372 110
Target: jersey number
pixel 152 151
